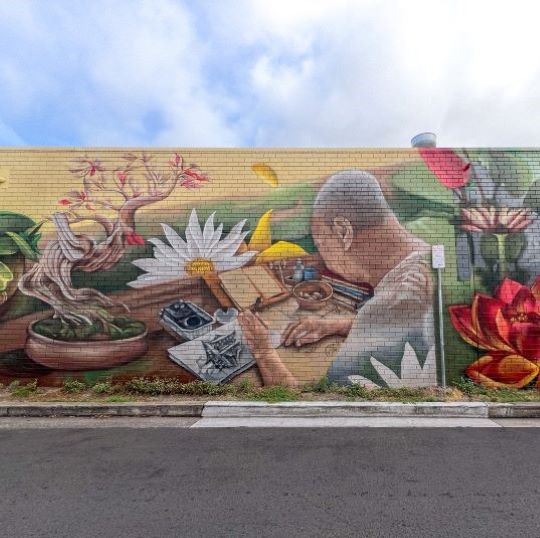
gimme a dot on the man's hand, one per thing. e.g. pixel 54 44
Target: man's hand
pixel 309 330
pixel 255 333
pixel 272 369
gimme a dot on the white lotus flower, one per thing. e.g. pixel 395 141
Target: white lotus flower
pixel 202 252
pixel 412 374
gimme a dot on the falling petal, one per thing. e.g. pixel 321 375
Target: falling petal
pixel 266 173
pixel 261 238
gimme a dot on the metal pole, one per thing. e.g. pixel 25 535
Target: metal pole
pixel 441 327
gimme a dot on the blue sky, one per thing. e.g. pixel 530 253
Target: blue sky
pixel 268 73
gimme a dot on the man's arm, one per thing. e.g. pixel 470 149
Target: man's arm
pixel 272 369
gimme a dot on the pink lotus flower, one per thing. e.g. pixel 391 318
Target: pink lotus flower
pixel 495 219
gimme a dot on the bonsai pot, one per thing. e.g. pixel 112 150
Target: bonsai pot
pixel 84 354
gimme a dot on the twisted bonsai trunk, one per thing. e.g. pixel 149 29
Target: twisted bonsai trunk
pixel 50 279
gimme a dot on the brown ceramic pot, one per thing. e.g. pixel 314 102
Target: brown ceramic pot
pixel 87 355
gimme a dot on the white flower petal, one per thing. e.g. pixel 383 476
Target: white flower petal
pixel 362 381
pixel 176 242
pixel 194 236
pixel 215 238
pixel 387 375
pixel 169 262
pixel 227 264
pixel 208 235
pixel 163 251
pixel 232 237
pixel 231 248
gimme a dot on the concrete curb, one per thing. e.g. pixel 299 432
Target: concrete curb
pixel 345 409
pixel 95 409
pixel 285 409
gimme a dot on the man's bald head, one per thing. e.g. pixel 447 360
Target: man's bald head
pixel 353 195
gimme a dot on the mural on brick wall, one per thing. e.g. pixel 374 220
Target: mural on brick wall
pixel 277 267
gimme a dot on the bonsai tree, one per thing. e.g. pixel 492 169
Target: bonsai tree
pixel 109 197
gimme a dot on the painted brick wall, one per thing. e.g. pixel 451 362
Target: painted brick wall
pixel 112 261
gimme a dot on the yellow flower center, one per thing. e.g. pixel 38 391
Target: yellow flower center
pixel 520 317
pixel 199 266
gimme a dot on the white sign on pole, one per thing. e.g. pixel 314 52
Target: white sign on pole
pixel 437 257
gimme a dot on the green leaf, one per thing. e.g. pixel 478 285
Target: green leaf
pixel 512 170
pixel 6 276
pixel 407 206
pixel 7 246
pixel 532 198
pixel 513 246
pixel 23 245
pixel 419 181
pixel 14 222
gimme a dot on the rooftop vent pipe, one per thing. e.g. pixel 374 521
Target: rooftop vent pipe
pixel 424 140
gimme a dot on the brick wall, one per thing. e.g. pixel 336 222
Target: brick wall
pixel 106 253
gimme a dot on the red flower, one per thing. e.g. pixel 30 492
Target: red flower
pixel 176 161
pixel 133 238
pixel 87 167
pixel 122 177
pixel 76 197
pixel 508 326
pixel 449 168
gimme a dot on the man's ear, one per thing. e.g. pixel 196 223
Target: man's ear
pixel 344 230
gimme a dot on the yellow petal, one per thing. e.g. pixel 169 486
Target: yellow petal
pixel 262 236
pixel 279 251
pixel 266 173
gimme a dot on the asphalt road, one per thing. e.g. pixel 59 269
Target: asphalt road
pixel 170 482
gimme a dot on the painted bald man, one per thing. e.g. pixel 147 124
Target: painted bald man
pixel 360 239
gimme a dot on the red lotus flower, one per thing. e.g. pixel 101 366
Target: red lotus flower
pixel 495 219
pixel 508 326
pixel 449 168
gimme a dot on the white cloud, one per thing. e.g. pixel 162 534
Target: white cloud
pixel 270 72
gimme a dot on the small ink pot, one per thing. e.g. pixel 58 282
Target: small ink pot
pixel 310 273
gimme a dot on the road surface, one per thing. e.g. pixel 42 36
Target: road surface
pixel 74 480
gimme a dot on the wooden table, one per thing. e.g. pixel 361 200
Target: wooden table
pixel 308 363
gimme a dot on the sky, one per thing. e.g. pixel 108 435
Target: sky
pixel 269 73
